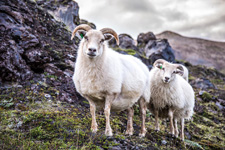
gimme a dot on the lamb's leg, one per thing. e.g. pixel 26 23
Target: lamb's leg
pixel 171 121
pixel 143 108
pixel 176 128
pixel 182 129
pixel 108 104
pixel 94 125
pixel 156 112
pixel 130 114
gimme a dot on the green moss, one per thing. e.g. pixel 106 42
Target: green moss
pixel 193 144
pixel 206 96
pixel 216 81
pixel 191 77
pixel 128 51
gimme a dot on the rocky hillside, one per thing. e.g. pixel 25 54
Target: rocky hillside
pixel 39 105
pixel 197 51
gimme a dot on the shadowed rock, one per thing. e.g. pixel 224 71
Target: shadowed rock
pixel 154 49
pixel 65 11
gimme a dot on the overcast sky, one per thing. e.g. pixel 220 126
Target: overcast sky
pixel 193 18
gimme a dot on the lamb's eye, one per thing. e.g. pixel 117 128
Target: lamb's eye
pixel 86 38
pixel 174 71
pixel 102 40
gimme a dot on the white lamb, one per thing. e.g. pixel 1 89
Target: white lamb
pixel 171 95
pixel 109 80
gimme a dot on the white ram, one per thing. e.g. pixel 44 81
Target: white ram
pixel 109 80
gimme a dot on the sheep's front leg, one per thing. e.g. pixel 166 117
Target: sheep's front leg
pixel 156 112
pixel 130 114
pixel 108 104
pixel 94 125
pixel 176 128
pixel 171 121
pixel 143 108
pixel 182 129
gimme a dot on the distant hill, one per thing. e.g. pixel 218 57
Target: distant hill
pixel 197 51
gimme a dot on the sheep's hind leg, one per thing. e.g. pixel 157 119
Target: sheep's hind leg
pixel 182 129
pixel 156 112
pixel 176 128
pixel 143 108
pixel 108 104
pixel 130 114
pixel 94 125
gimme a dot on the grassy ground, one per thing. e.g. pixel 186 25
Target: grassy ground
pixel 33 117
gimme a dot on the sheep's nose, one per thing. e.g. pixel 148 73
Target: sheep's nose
pixel 167 78
pixel 92 49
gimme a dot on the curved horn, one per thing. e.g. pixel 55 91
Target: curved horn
pixel 111 31
pixel 84 27
pixel 159 62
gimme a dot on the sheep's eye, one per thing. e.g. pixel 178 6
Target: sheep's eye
pixel 86 38
pixel 163 69
pixel 174 71
pixel 102 40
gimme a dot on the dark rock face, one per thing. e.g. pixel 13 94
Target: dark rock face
pixel 65 11
pixel 202 83
pixel 127 42
pixel 30 39
pixel 159 49
pixel 154 49
pixel 144 38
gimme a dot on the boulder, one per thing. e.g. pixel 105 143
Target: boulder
pixel 144 38
pixel 30 38
pixel 202 83
pixel 154 49
pixel 127 42
pixel 159 49
pixel 66 11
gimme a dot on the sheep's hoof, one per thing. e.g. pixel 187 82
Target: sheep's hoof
pixel 129 132
pixel 172 135
pixel 108 132
pixel 141 135
pixel 157 129
pixel 94 130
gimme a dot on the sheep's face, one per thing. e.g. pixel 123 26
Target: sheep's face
pixel 93 43
pixel 168 71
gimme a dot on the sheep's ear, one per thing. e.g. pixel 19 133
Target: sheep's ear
pixel 81 33
pixel 180 70
pixel 107 31
pixel 108 37
pixel 159 63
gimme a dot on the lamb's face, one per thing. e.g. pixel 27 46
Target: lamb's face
pixel 167 70
pixel 93 44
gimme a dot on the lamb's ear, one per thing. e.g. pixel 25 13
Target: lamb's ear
pixel 81 33
pixel 180 70
pixel 159 63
